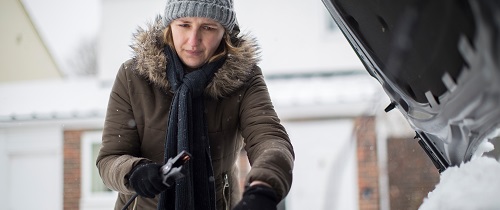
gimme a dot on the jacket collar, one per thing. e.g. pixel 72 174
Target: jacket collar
pixel 150 61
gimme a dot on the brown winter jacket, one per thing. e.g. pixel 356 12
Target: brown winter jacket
pixel 239 113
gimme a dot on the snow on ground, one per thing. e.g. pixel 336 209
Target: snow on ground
pixel 472 185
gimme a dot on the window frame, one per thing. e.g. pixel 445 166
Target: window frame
pixel 88 198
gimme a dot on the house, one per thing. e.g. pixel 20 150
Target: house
pixel 50 127
pixel 23 50
pixel 38 108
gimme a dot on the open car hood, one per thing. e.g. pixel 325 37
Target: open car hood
pixel 438 62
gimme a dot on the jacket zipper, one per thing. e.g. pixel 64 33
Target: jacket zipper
pixel 224 193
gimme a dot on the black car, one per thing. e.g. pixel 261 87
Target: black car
pixel 437 60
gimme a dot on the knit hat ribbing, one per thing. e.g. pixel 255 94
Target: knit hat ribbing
pixel 218 10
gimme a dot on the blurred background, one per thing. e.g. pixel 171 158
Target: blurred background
pixel 59 59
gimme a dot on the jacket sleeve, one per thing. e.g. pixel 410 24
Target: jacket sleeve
pixel 268 146
pixel 120 148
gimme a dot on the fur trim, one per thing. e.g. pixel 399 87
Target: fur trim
pixel 150 61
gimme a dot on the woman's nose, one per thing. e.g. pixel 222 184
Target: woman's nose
pixel 194 37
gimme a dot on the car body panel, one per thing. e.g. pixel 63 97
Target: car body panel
pixel 438 63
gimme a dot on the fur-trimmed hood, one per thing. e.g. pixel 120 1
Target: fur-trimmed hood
pixel 150 61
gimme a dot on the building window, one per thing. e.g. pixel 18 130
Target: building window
pixel 96 184
pixel 94 192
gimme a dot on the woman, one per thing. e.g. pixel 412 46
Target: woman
pixel 194 85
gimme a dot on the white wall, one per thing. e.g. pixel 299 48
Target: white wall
pixel 32 167
pixel 4 161
pixel 325 171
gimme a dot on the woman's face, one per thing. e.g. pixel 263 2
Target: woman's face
pixel 196 39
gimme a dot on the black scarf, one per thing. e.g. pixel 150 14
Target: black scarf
pixel 187 130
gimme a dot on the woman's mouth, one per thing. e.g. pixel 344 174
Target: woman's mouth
pixel 194 52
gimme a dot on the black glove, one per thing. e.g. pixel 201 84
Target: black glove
pixel 146 180
pixel 258 197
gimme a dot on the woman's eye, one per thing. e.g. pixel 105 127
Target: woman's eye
pixel 184 25
pixel 208 28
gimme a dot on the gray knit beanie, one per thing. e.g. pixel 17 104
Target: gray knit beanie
pixel 219 10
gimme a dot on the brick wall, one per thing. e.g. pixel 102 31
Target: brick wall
pixel 411 173
pixel 72 170
pixel 368 174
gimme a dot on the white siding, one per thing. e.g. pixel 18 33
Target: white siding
pixel 34 167
pixel 4 173
pixel 325 175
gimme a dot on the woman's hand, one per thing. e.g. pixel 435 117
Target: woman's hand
pixel 146 180
pixel 258 196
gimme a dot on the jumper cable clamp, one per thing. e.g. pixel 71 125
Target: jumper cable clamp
pixel 172 170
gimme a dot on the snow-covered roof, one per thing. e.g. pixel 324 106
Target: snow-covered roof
pixel 306 95
pixel 53 99
pixel 327 94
